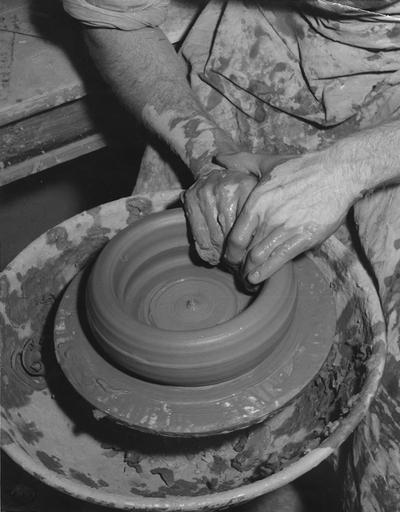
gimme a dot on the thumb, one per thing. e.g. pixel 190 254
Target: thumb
pixel 269 162
pixel 243 162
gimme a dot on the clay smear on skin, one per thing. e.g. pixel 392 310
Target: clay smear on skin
pixel 193 150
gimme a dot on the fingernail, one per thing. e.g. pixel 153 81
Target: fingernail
pixel 254 276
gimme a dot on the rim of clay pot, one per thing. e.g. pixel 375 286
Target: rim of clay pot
pixel 154 250
pixel 246 492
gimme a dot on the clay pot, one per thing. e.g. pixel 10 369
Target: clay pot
pixel 165 316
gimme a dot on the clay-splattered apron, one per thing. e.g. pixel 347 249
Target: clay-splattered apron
pixel 286 81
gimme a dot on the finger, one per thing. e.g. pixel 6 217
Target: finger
pixel 231 198
pixel 263 245
pixel 241 236
pixel 210 213
pixel 247 187
pixel 226 217
pixel 199 228
pixel 281 255
pixel 226 205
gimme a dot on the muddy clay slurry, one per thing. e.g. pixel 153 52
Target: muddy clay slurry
pixel 91 451
pixel 160 342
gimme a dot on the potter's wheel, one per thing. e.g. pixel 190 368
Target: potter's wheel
pixel 160 342
pixel 51 431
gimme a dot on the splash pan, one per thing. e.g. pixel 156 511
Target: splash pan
pixel 54 433
pixel 161 343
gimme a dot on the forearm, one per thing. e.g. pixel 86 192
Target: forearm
pixel 368 159
pixel 149 77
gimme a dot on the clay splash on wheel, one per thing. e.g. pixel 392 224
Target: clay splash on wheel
pixel 180 350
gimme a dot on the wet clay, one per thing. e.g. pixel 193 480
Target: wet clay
pixel 159 312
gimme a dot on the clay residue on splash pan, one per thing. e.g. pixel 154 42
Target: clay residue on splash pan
pixel 108 453
pixel 168 467
pixel 28 297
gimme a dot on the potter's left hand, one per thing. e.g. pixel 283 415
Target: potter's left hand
pixel 212 204
pixel 300 204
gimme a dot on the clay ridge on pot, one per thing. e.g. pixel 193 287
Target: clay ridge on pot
pixel 151 259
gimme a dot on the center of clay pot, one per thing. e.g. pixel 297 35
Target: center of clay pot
pixel 192 298
pixel 160 313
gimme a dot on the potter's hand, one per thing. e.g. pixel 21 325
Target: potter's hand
pixel 215 200
pixel 300 204
pixel 212 204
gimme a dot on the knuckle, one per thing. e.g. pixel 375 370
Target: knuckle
pixel 215 238
pixel 190 196
pixel 236 238
pixel 282 253
pixel 246 212
pixel 256 256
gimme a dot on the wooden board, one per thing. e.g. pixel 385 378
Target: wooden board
pixel 45 74
pixel 40 58
pixel 47 139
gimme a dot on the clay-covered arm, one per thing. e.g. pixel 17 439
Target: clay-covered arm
pixel 304 200
pixel 148 76
pixel 144 71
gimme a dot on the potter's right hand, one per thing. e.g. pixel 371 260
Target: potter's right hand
pixel 216 199
pixel 212 205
